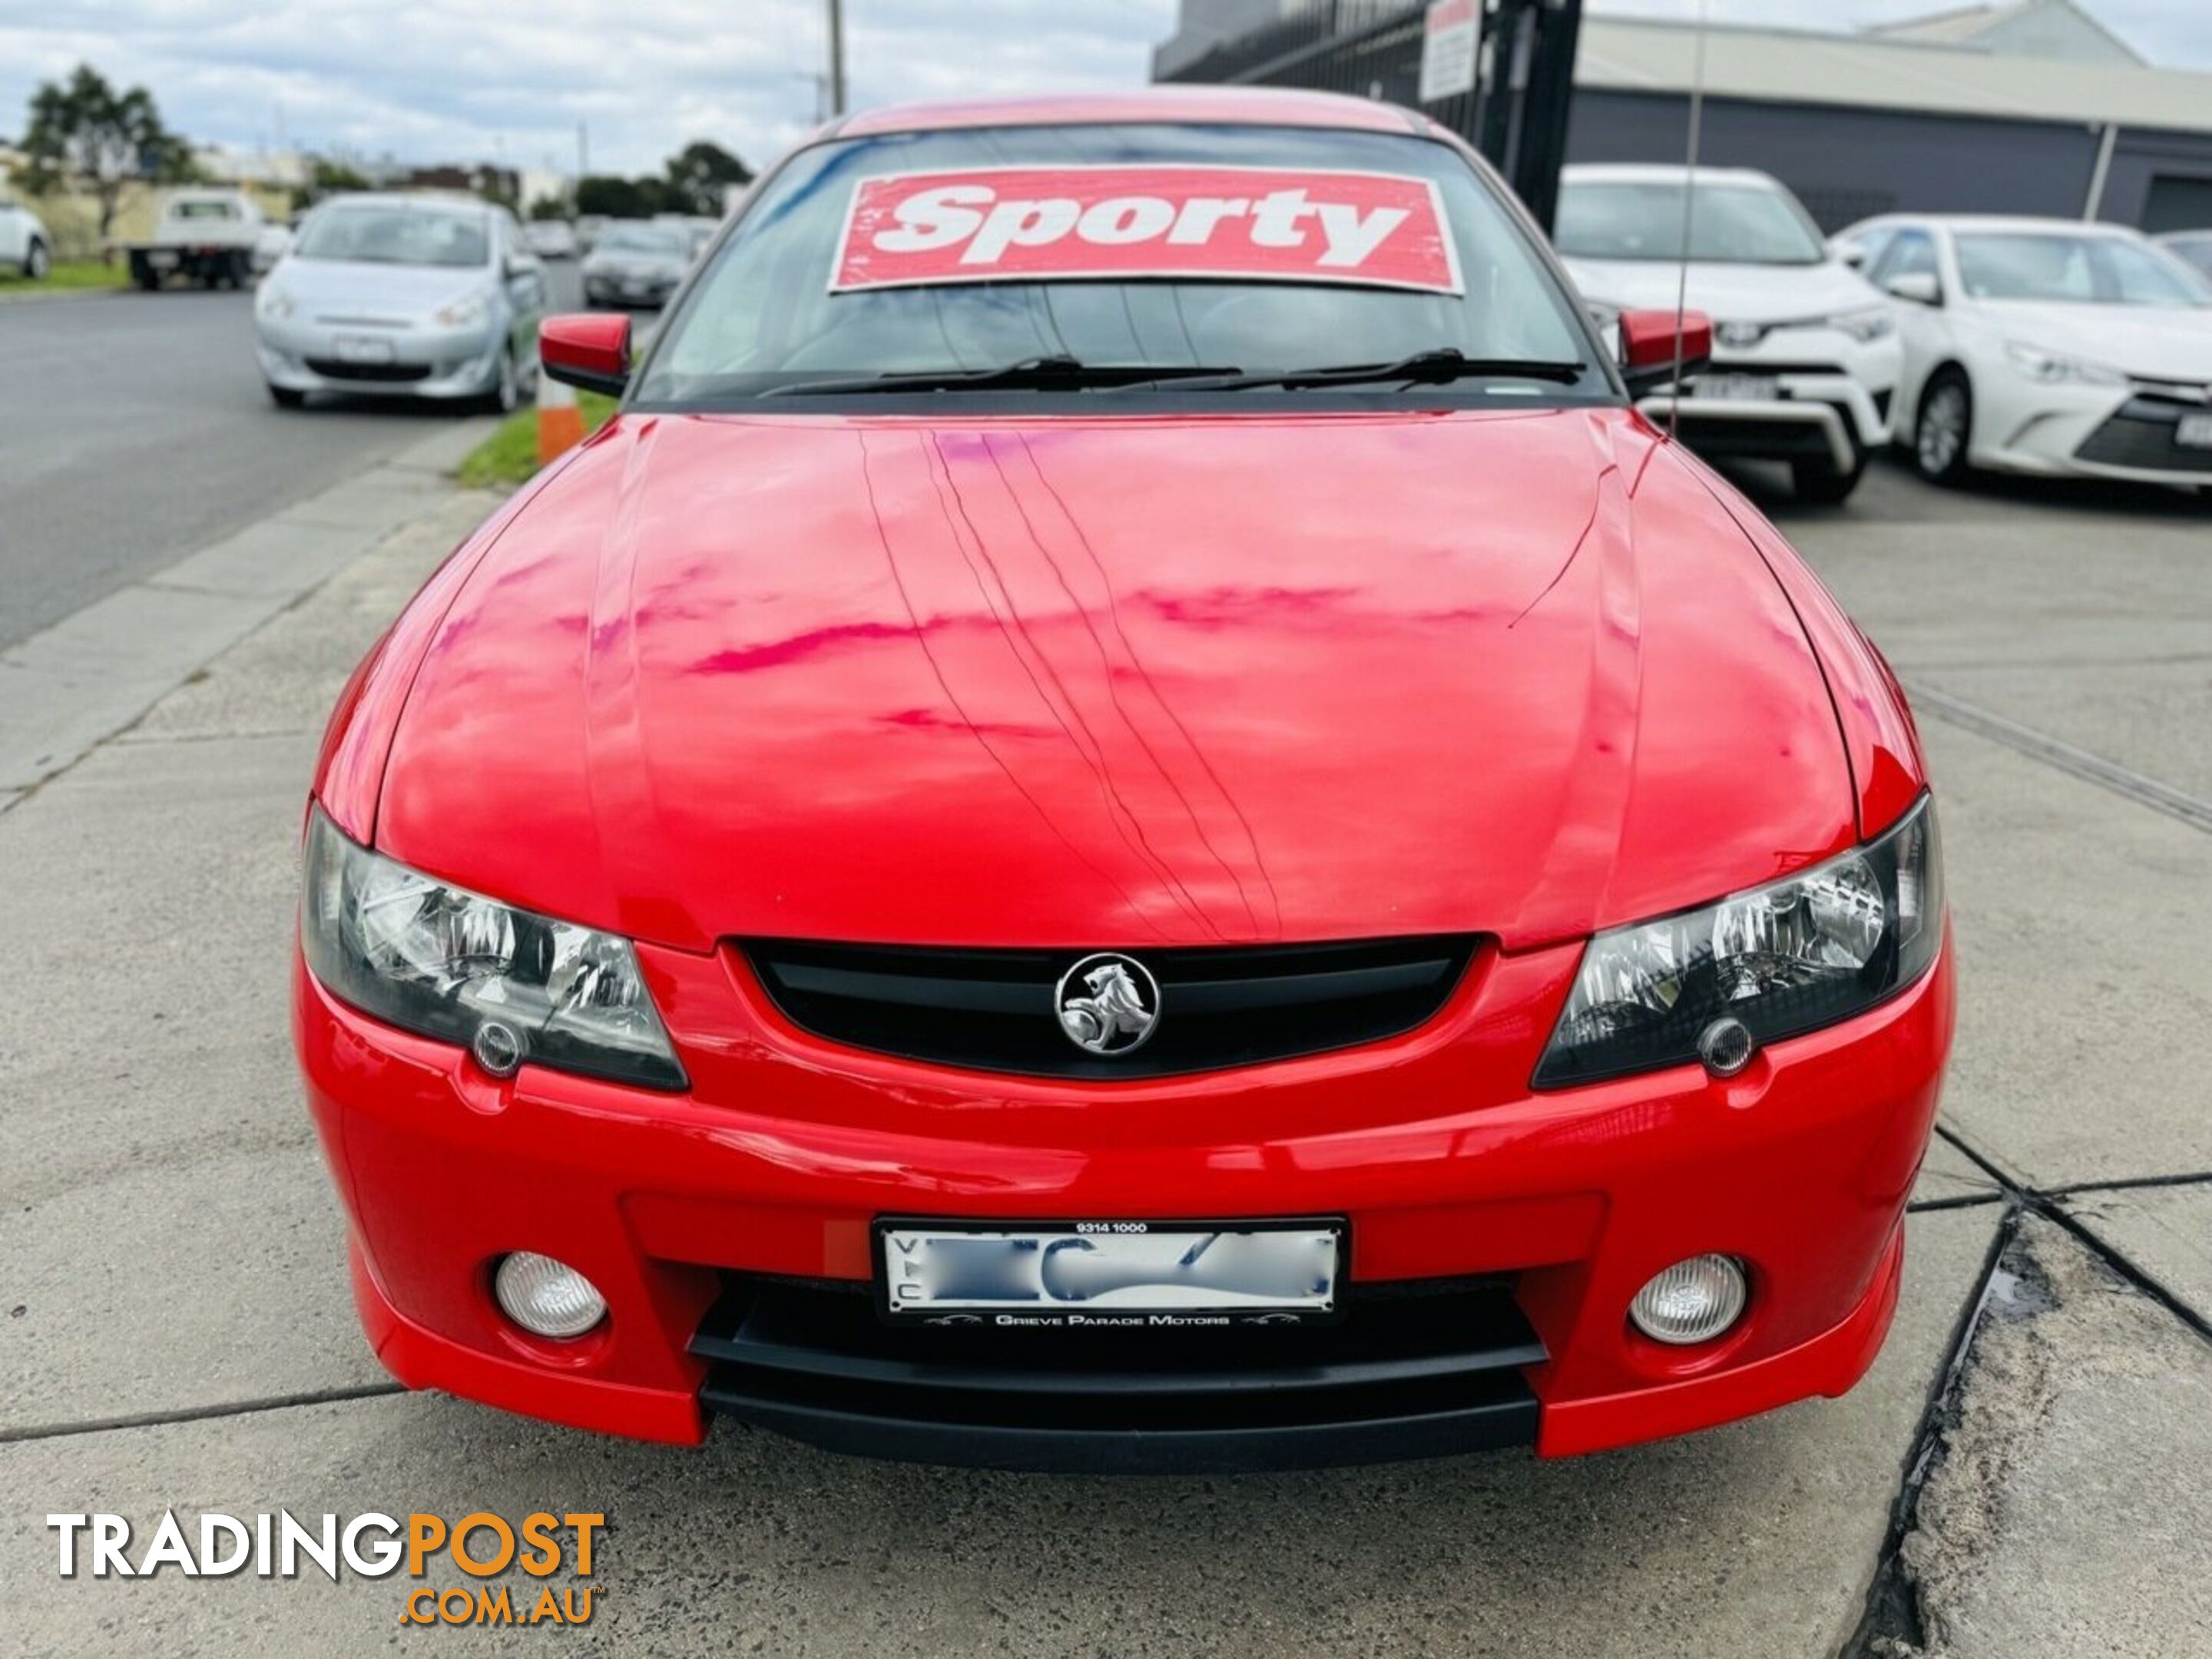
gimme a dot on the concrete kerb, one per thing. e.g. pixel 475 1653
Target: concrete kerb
pixel 67 690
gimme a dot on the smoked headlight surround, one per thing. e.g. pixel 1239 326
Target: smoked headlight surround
pixel 1784 958
pixel 444 963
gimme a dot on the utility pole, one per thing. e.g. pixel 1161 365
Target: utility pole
pixel 837 57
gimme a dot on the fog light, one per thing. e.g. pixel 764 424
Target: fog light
pixel 1692 1301
pixel 548 1298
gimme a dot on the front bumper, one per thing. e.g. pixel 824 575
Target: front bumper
pixel 2096 431
pixel 1832 403
pixel 1530 1220
pixel 301 355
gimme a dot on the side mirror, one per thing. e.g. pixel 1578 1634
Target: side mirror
pixel 586 349
pixel 1648 348
pixel 1918 286
pixel 1851 254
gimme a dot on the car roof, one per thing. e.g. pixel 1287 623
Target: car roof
pixel 1661 173
pixel 2010 221
pixel 1275 106
pixel 407 199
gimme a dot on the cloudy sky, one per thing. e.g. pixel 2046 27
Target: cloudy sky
pixel 509 80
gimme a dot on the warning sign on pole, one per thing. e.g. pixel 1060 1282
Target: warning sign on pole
pixel 1449 38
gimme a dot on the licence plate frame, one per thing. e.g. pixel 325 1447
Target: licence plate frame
pixel 2193 431
pixel 364 350
pixel 1146 1308
pixel 1733 385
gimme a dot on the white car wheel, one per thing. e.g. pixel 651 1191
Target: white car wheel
pixel 37 262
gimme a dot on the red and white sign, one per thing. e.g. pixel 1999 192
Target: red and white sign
pixel 1451 41
pixel 1070 223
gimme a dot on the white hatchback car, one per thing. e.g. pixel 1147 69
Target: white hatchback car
pixel 24 244
pixel 2044 346
pixel 1805 354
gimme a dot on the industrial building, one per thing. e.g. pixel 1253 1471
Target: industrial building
pixel 2028 107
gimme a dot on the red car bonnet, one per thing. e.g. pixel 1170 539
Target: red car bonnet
pixel 1116 681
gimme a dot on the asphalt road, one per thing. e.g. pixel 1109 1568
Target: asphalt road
pixel 138 431
pixel 2025 1471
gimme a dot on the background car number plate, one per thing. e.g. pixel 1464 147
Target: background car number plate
pixel 1737 388
pixel 355 350
pixel 2194 432
pixel 1109 1274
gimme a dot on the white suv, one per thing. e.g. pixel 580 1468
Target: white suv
pixel 1805 353
pixel 24 244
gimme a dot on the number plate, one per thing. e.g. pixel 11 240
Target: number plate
pixel 161 261
pixel 353 350
pixel 1109 1274
pixel 2194 432
pixel 1737 388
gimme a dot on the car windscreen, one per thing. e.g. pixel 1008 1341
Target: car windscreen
pixel 1131 247
pixel 642 239
pixel 2197 250
pixel 2082 270
pixel 394 236
pixel 1729 224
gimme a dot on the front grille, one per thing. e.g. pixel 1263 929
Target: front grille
pixel 992 1011
pixel 382 374
pixel 2142 434
pixel 1413 1370
pixel 1720 437
pixel 1727 365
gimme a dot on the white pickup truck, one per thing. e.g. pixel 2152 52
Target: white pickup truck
pixel 204 236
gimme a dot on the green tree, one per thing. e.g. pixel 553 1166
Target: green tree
pixel 699 176
pixel 84 131
pixel 618 198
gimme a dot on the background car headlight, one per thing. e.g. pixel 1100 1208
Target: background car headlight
pixel 1873 324
pixel 447 963
pixel 1819 946
pixel 2054 370
pixel 274 303
pixel 462 314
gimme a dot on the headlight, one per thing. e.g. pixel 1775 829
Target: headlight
pixel 462 314
pixel 508 985
pixel 2052 369
pixel 1873 324
pixel 1824 945
pixel 274 303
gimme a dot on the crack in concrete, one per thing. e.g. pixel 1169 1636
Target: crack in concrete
pixel 2121 780
pixel 1892 1625
pixel 202 1414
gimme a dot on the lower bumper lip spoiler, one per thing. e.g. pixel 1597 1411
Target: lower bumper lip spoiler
pixel 1419 1372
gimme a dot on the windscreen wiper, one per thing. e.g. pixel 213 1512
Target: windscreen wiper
pixel 1057 373
pixel 1435 367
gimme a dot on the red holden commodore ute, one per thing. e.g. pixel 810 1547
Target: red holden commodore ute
pixel 1127 819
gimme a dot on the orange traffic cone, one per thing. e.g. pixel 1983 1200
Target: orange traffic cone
pixel 560 422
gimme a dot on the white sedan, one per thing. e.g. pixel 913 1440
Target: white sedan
pixel 1805 354
pixel 2046 346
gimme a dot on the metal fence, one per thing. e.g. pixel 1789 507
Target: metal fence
pixel 1516 115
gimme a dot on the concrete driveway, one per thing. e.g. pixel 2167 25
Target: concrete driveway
pixel 2028 1470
